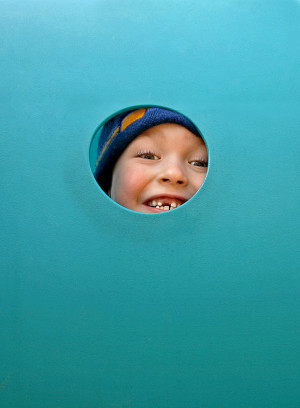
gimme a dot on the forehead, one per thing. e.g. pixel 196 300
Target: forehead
pixel 169 134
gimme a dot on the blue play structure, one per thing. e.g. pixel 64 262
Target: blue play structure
pixel 102 307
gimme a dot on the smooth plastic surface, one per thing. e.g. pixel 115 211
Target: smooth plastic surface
pixel 103 307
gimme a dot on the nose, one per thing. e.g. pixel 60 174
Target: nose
pixel 173 172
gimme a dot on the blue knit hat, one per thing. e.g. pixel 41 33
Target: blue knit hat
pixel 119 131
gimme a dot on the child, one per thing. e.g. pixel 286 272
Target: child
pixel 150 160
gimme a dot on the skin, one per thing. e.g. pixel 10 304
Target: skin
pixel 165 163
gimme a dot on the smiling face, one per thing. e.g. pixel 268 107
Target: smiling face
pixel 160 169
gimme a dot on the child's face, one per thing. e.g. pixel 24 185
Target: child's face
pixel 160 169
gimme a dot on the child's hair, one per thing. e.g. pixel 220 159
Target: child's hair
pixel 119 131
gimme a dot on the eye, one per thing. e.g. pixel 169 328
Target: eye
pixel 148 155
pixel 199 163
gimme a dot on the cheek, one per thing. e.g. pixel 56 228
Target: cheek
pixel 127 183
pixel 135 182
pixel 197 180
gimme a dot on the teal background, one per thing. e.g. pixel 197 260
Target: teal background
pixel 104 307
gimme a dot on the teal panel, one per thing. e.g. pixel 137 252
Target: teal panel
pixel 104 307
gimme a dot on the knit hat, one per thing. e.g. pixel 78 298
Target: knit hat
pixel 119 131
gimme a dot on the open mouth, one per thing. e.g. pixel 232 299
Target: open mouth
pixel 165 203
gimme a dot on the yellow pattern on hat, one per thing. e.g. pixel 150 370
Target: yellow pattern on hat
pixel 132 117
pixel 106 144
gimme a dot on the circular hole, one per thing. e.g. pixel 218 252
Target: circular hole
pixel 149 159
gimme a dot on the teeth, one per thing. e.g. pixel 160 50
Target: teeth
pixel 165 207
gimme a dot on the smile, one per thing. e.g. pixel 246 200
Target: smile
pixel 165 203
